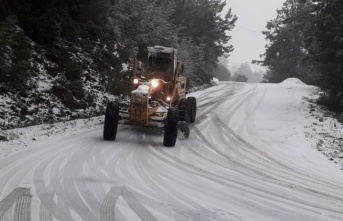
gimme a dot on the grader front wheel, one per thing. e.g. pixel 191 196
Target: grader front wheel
pixel 111 121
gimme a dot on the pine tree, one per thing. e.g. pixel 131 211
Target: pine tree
pixel 222 73
pixel 285 51
pixel 324 42
pixel 201 22
pixel 142 23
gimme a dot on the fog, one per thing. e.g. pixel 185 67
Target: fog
pixel 247 38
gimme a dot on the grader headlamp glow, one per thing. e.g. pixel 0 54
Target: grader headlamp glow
pixel 154 83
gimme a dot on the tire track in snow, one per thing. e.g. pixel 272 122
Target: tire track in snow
pixel 218 122
pixel 222 133
pixel 55 188
pixel 206 99
pixel 239 141
pixel 118 162
pixel 125 159
pixel 278 169
pixel 16 166
pixel 16 174
pixel 183 207
pixel 204 96
pixel 248 147
pixel 154 181
pixel 136 206
pixel 138 167
pixel 158 189
pixel 244 187
pixel 79 196
pixel 21 198
pixel 305 204
pixel 228 132
pixel 22 211
pixel 109 204
pixel 206 108
pixel 47 197
pixel 44 213
pixel 286 182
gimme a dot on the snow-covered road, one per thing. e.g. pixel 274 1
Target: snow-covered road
pixel 246 159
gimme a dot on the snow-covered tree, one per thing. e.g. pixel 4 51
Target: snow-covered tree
pixel 285 48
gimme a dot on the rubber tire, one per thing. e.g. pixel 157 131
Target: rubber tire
pixel 171 127
pixel 193 103
pixel 111 121
pixel 184 110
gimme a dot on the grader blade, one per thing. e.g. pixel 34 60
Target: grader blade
pixel 184 129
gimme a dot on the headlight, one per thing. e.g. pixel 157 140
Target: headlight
pixel 135 81
pixel 154 83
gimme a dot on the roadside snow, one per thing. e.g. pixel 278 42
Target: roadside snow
pixel 323 131
pixel 20 138
pixel 249 157
pixel 287 114
pixel 294 81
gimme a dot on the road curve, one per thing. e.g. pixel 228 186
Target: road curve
pixel 222 172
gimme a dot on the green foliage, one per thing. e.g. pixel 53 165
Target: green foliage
pixel 46 21
pixel 306 41
pixel 14 55
pixel 119 85
pixel 72 70
pixel 324 41
pixel 240 78
pixel 201 23
pixel 285 51
pixel 112 33
pixel 76 89
pixel 141 23
pixel 245 70
pixel 3 138
pixel 191 55
pixel 194 27
pixel 222 73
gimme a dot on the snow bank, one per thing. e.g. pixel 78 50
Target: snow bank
pixel 19 138
pixel 294 81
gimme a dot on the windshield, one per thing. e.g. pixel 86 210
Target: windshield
pixel 160 64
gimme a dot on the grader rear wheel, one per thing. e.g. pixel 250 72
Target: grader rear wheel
pixel 193 108
pixel 184 110
pixel 170 127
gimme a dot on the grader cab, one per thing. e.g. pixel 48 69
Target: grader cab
pixel 158 98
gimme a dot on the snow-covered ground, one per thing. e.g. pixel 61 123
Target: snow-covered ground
pixel 256 152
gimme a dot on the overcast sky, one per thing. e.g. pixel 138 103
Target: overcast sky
pixel 247 38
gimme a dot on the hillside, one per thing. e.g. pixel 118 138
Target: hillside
pixel 53 93
pixel 62 60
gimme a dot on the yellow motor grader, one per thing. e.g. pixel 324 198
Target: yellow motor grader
pixel 158 98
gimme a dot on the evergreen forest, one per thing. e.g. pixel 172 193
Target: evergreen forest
pixel 58 56
pixel 112 32
pixel 65 59
pixel 305 41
